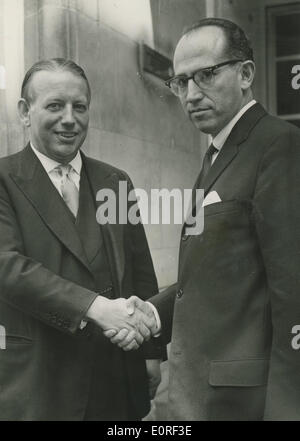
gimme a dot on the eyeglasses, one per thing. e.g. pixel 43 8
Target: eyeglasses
pixel 203 78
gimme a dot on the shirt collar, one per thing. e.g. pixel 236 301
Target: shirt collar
pixel 219 140
pixel 50 164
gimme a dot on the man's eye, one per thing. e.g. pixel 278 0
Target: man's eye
pixel 206 74
pixel 54 106
pixel 80 108
pixel 181 82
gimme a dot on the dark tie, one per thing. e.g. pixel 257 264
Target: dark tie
pixel 204 171
pixel 207 163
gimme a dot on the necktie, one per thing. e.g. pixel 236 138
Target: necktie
pixel 206 164
pixel 204 171
pixel 69 190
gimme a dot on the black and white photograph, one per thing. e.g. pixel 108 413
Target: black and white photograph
pixel 149 213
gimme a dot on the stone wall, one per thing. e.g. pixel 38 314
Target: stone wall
pixel 136 124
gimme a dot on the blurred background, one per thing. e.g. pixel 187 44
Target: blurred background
pixel 136 124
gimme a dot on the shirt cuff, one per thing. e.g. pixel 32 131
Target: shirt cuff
pixel 158 322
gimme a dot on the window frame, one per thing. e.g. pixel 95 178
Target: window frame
pixel 271 13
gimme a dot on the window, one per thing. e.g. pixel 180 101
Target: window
pixel 283 55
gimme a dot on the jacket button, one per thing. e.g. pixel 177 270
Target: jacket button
pixel 179 293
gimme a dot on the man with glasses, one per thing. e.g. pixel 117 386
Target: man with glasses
pixel 232 312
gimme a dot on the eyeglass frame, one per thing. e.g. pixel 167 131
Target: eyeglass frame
pixel 192 77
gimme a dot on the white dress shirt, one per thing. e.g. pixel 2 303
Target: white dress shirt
pixel 50 165
pixel 220 139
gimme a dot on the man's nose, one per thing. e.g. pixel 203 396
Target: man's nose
pixel 68 115
pixel 194 92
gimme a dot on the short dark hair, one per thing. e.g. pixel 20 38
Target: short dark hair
pixel 238 44
pixel 52 65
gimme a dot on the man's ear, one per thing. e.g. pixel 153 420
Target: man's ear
pixel 247 74
pixel 23 109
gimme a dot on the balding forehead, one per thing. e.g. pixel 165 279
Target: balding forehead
pixel 207 38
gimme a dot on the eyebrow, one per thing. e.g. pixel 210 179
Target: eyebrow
pixel 81 100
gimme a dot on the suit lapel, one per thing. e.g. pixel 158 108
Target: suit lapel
pixel 230 149
pixel 34 182
pixel 226 155
pixel 100 176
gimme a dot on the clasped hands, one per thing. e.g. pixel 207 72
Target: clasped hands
pixel 126 322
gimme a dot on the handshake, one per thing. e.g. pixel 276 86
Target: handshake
pixel 126 322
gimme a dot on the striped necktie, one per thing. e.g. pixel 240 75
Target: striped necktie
pixel 68 188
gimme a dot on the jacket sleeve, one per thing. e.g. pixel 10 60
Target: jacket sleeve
pixel 30 287
pixel 277 219
pixel 164 303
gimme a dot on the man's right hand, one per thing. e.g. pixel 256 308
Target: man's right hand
pixel 121 318
pixel 124 337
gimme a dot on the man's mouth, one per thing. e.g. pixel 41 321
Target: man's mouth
pixel 198 112
pixel 67 135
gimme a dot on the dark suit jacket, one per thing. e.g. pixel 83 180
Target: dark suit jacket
pixel 238 292
pixel 47 283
